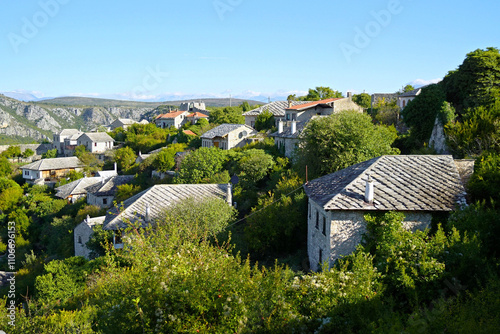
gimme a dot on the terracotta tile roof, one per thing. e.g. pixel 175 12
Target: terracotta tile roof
pixel 172 114
pixel 314 103
pixel 401 183
pixel 189 132
pixel 197 114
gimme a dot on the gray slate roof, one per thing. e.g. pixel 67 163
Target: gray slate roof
pixel 108 187
pixel 54 164
pixel 159 197
pixel 98 137
pixel 277 108
pixel 69 132
pixel 401 183
pixel 77 187
pixel 224 129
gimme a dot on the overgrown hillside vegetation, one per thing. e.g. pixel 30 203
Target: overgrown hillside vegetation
pixel 210 268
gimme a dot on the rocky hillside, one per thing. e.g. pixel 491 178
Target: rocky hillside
pixel 40 120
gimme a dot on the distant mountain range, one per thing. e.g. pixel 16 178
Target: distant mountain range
pixel 38 120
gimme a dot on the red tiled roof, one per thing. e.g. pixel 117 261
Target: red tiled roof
pixel 172 114
pixel 313 103
pixel 197 114
pixel 189 132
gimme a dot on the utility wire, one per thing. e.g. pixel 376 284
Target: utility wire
pixel 265 207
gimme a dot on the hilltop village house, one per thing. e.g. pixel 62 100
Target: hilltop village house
pixel 416 185
pixel 102 194
pixel 174 118
pixel 297 116
pixel 50 170
pixel 277 108
pixel 145 208
pixel 405 98
pixel 96 142
pixel 228 136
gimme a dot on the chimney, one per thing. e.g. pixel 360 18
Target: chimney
pixel 349 95
pixel 229 194
pixel 289 103
pixel 294 127
pixel 280 126
pixel 116 168
pixel 148 213
pixel 88 219
pixel 369 190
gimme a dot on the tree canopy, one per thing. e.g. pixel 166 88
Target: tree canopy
pixel 364 100
pixel 331 143
pixel 264 121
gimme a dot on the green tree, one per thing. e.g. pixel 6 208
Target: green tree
pixel 5 167
pixel 276 223
pixel 364 100
pixel 332 143
pixel 125 191
pixel 194 219
pixel 420 114
pixel 125 157
pixel 201 166
pixel 245 106
pixel 255 165
pixel 80 150
pixel 322 93
pixel 485 182
pixel 12 152
pixel 408 88
pixel 231 115
pixel 50 154
pixel 476 82
pixel 165 159
pixel 264 121
pixel 10 194
pixel 28 153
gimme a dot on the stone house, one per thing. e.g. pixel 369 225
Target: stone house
pixel 75 190
pixel 145 207
pixel 404 98
pixel 50 170
pixel 58 139
pixel 174 118
pixel 297 116
pixel 96 142
pixel 103 193
pixel 123 123
pixel 196 116
pixel 228 136
pixel 70 144
pixel 277 108
pixel 416 185
pixel 194 107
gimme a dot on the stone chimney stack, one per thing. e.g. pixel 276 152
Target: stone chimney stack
pixel 349 95
pixel 369 191
pixel 229 194
pixel 116 167
pixel 148 213
pixel 280 126
pixel 289 103
pixel 294 127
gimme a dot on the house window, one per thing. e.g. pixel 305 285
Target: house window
pixel 80 240
pixel 317 220
pixel 294 117
pixel 104 201
pixel 324 225
pixel 287 117
pixel 95 144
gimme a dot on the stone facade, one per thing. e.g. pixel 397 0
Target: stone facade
pixel 82 234
pixel 334 234
pixel 438 139
pixel 228 136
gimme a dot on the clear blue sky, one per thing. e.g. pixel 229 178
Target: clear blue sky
pixel 160 50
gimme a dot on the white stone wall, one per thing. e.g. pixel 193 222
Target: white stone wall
pixel 344 231
pixel 100 200
pixel 82 234
pixel 346 104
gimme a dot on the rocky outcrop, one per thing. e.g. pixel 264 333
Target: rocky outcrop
pixel 38 121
